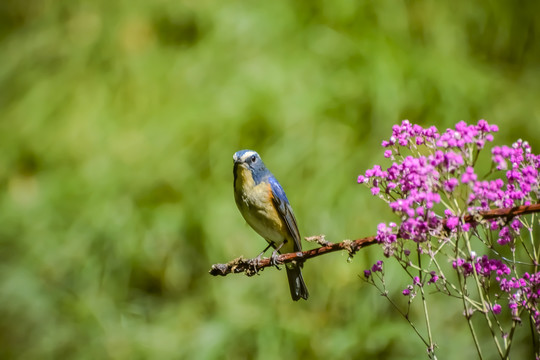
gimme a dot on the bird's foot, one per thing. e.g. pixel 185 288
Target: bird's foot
pixel 255 263
pixel 274 261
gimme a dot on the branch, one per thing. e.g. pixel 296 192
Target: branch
pixel 252 266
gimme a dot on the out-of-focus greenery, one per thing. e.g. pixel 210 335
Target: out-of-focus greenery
pixel 118 121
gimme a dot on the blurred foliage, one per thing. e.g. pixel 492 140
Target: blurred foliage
pixel 118 121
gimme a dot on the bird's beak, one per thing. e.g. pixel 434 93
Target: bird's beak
pixel 240 164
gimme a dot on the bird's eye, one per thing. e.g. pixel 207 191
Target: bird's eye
pixel 253 158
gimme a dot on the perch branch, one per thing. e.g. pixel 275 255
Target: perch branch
pixel 253 266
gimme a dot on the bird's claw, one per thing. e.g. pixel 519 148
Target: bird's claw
pixel 274 261
pixel 254 265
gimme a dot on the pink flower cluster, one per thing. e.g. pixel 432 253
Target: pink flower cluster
pixel 413 184
pixel 377 267
pixel 524 294
pixel 521 177
pixel 409 290
pixel 412 135
pixel 432 184
pixel 483 265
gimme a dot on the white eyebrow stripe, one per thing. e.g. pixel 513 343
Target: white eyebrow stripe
pixel 248 154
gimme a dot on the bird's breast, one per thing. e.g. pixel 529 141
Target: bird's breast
pixel 255 202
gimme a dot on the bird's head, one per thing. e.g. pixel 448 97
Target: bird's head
pixel 250 160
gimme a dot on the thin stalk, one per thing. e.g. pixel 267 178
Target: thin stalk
pixel 431 348
pixel 473 303
pixel 469 321
pixel 384 293
pixel 406 316
pixel 462 285
pixel 498 324
pixel 482 300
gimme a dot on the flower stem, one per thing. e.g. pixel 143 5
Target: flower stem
pixel 431 347
pixel 481 295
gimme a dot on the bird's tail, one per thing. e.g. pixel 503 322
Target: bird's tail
pixel 296 283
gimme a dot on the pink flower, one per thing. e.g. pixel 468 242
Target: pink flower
pixel 406 292
pixel 468 175
pixel 452 222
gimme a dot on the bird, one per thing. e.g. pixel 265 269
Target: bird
pixel 265 207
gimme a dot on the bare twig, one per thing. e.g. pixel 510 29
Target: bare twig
pixel 252 266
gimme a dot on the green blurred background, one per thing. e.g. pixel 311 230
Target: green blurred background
pixel 118 121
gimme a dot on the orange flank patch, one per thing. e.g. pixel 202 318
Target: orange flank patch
pixel 273 217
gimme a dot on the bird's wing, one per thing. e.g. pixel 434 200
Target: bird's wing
pixel 285 211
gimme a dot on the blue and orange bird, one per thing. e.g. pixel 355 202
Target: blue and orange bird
pixel 265 207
